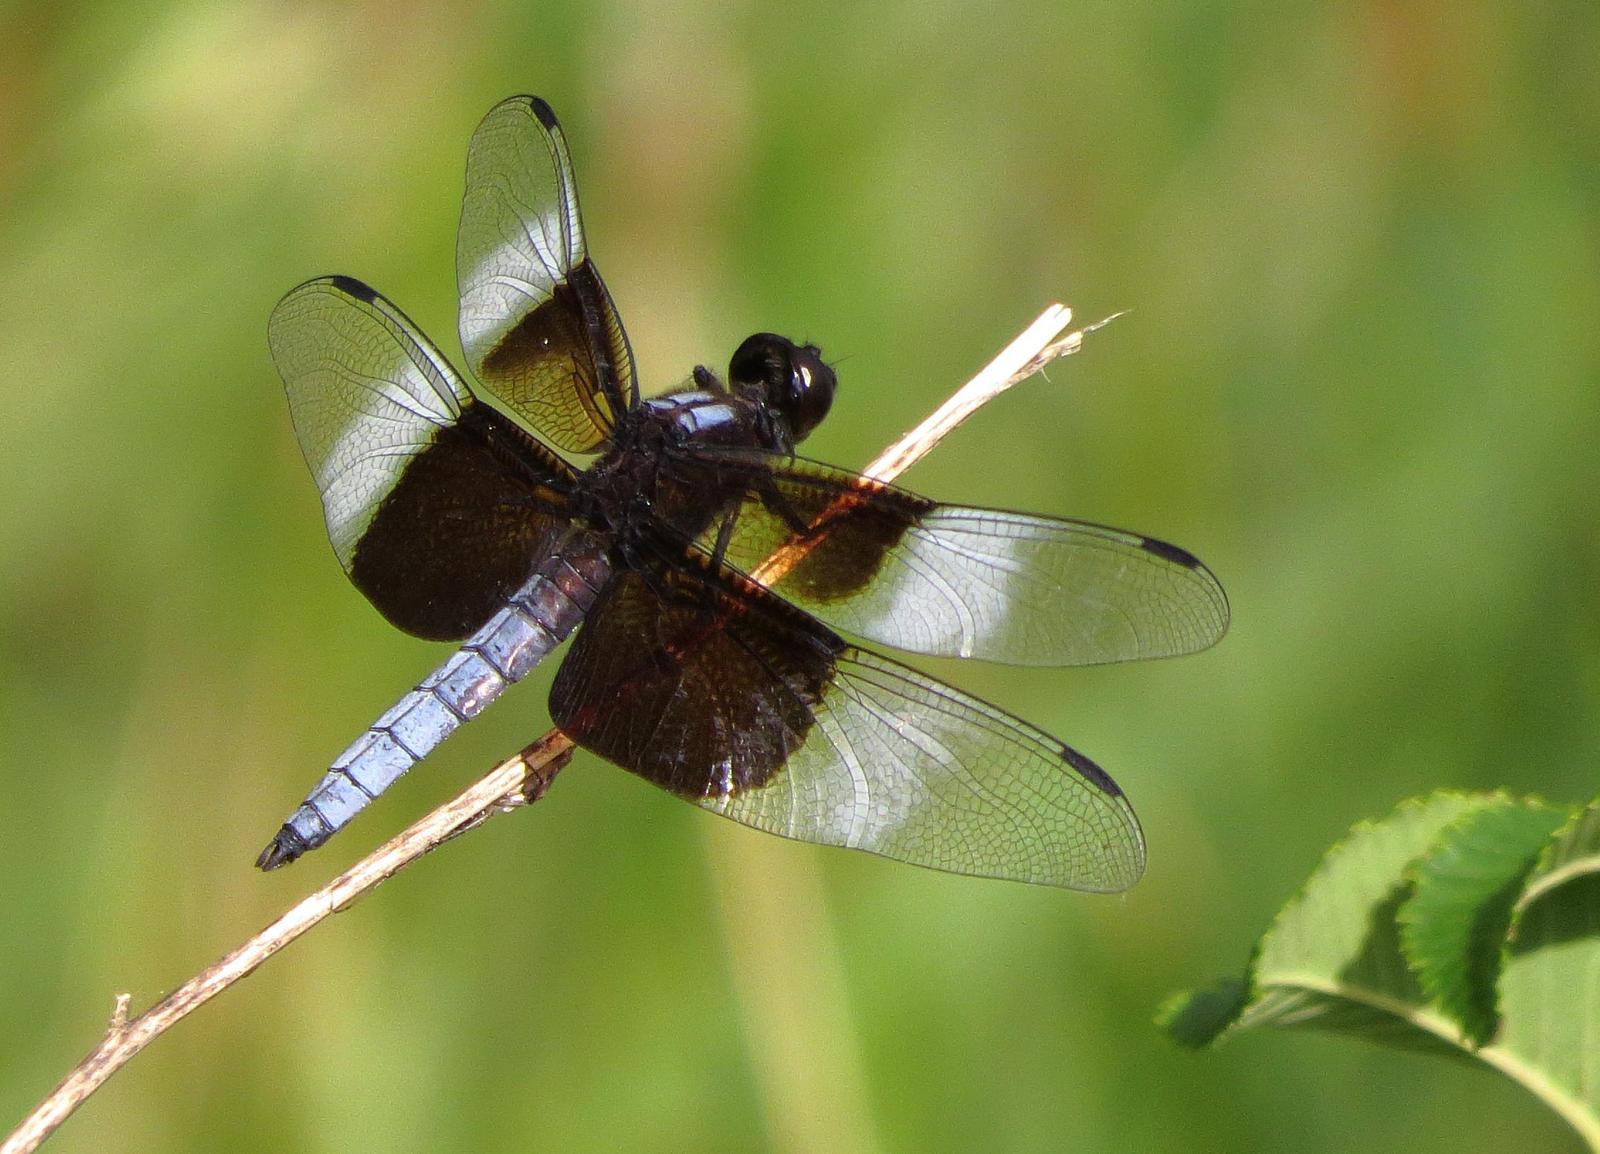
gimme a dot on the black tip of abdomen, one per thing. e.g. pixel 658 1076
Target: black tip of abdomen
pixel 283 849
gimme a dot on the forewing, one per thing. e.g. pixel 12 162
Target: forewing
pixel 437 506
pixel 711 688
pixel 954 581
pixel 538 326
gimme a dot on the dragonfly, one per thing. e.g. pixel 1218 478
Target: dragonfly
pixel 545 498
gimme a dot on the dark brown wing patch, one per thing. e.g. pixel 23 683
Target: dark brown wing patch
pixel 849 534
pixel 558 367
pixel 691 685
pixel 462 528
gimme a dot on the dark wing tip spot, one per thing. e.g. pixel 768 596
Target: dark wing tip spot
pixel 544 112
pixel 1170 553
pixel 1090 771
pixel 350 286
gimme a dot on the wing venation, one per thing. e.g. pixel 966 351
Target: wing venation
pixel 537 323
pixel 898 569
pixel 708 686
pixel 437 506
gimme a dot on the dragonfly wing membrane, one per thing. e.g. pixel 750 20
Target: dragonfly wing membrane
pixel 537 323
pixel 754 711
pixel 428 514
pixel 952 581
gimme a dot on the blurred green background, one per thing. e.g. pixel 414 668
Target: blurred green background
pixel 1361 378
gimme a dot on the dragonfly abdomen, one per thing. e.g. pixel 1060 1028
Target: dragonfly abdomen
pixel 537 618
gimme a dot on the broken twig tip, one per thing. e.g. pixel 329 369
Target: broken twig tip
pixel 1104 321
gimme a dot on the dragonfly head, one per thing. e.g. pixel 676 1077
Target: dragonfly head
pixel 791 380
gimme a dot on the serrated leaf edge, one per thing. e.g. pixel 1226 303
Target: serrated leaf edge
pixel 1253 986
pixel 1360 828
pixel 1545 882
pixel 1574 1111
pixel 1406 920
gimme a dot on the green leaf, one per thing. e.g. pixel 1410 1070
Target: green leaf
pixel 1550 983
pixel 1466 925
pixel 1197 1019
pixel 1573 852
pixel 1453 927
pixel 1335 946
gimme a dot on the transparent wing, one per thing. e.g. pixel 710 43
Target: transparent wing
pixel 437 506
pixel 366 391
pixel 538 326
pixel 953 581
pixel 902 765
pixel 711 688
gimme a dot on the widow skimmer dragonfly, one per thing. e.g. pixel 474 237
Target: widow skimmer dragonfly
pixel 453 511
